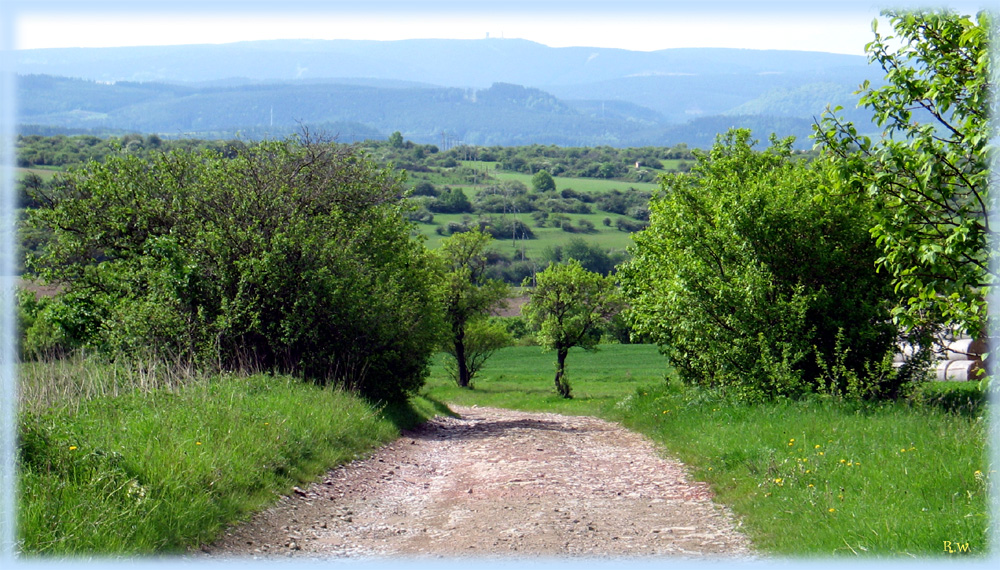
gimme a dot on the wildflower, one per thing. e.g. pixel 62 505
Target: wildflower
pixel 843 461
pixel 816 446
pixel 779 481
pixel 73 448
pixel 831 510
pixel 902 450
pixel 197 443
pixel 821 453
pixel 811 485
pixel 809 471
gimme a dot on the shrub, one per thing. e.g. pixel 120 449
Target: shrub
pixel 748 279
pixel 289 256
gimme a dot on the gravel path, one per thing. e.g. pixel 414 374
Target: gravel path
pixel 498 484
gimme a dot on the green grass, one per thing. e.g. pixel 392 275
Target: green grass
pixel 589 185
pixel 161 470
pixel 522 377
pixel 607 237
pixel 45 173
pixel 814 478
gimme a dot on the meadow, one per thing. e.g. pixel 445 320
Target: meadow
pixel 121 460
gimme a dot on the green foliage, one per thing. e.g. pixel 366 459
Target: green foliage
pixel 746 277
pixel 451 201
pixel 927 178
pixel 484 336
pixel 285 256
pixel 569 306
pixel 468 296
pixel 542 182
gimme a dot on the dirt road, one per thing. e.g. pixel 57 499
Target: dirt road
pixel 498 484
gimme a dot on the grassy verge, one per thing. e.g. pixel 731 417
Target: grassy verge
pixel 813 478
pixel 158 471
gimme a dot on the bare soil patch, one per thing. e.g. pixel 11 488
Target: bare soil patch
pixel 498 484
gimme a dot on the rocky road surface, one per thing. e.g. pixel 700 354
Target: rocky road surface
pixel 497 484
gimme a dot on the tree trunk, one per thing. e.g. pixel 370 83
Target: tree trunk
pixel 562 385
pixel 461 362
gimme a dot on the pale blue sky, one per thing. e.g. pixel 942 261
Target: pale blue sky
pixel 839 27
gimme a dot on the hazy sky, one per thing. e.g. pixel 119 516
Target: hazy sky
pixel 835 26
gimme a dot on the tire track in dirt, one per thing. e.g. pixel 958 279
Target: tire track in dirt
pixel 498 484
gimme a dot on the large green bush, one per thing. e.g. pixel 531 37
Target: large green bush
pixel 288 256
pixel 749 279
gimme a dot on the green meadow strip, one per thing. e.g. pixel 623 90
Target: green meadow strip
pixel 162 471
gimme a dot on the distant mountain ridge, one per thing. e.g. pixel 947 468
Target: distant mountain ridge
pixel 492 91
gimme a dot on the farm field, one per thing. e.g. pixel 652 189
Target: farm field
pixel 608 237
pixel 44 173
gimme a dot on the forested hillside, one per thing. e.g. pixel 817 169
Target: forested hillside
pixel 482 92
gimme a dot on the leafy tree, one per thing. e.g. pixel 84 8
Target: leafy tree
pixel 469 296
pixel 451 202
pixel 542 181
pixel 483 337
pixel 292 256
pixel 748 280
pixel 396 140
pixel 568 307
pixel 927 176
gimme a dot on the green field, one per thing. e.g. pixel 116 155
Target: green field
pixel 44 173
pixel 590 185
pixel 608 237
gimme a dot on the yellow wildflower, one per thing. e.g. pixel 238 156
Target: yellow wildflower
pixel 73 448
pixel 832 510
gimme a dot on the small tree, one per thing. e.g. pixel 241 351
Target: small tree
pixel 569 307
pixel 483 337
pixel 468 296
pixel 542 182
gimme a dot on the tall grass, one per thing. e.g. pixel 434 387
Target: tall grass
pixel 816 478
pixel 146 463
pixel 69 382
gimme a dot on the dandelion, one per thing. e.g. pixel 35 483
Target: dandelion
pixel 816 446
pixel 902 450
pixel 843 461
pixel 73 448
pixel 809 471
pixel 810 484
pixel 779 481
pixel 831 510
pixel 821 453
pixel 197 443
